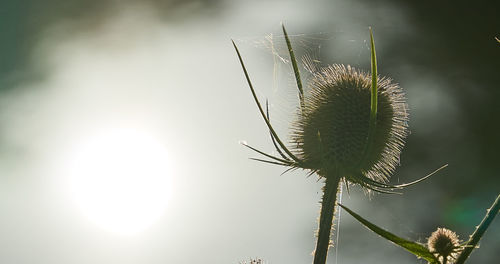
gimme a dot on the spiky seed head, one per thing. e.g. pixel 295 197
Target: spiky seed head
pixel 332 129
pixel 444 243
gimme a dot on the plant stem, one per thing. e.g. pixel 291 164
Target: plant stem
pixel 326 218
pixel 478 233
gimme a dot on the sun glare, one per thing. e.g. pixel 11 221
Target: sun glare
pixel 119 179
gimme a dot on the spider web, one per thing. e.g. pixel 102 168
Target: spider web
pixel 312 52
pixel 318 50
pixel 279 85
pixel 323 48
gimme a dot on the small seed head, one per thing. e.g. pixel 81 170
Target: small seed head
pixel 332 130
pixel 253 261
pixel 444 243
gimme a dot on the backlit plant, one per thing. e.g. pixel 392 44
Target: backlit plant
pixel 350 127
pixel 443 246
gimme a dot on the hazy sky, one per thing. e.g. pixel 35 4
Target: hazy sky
pixel 169 73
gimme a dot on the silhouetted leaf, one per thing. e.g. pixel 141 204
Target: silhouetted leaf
pixel 417 249
pixel 295 67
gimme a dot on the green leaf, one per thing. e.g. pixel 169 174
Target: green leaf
pixel 373 105
pixel 416 249
pixel 374 87
pixel 271 129
pixel 295 67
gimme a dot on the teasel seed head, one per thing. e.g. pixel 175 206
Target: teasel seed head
pixel 444 243
pixel 331 131
pixel 253 261
pixel 351 125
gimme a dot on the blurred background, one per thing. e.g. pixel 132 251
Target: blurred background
pixel 73 71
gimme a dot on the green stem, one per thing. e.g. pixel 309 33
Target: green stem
pixel 326 218
pixel 479 232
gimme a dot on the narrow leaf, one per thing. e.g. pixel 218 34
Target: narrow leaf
pixel 295 67
pixel 415 248
pixel 421 179
pixel 267 155
pixel 373 105
pixel 270 162
pixel 272 137
pixel 374 78
pixel 288 152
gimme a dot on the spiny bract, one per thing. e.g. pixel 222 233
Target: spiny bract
pixel 331 132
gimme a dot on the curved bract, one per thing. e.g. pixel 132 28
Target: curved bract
pixel 351 126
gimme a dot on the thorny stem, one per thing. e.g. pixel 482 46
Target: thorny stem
pixel 479 232
pixel 326 218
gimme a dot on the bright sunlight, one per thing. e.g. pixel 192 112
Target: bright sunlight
pixel 119 179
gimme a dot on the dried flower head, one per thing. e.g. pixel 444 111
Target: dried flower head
pixel 332 130
pixel 351 127
pixel 253 261
pixel 444 244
